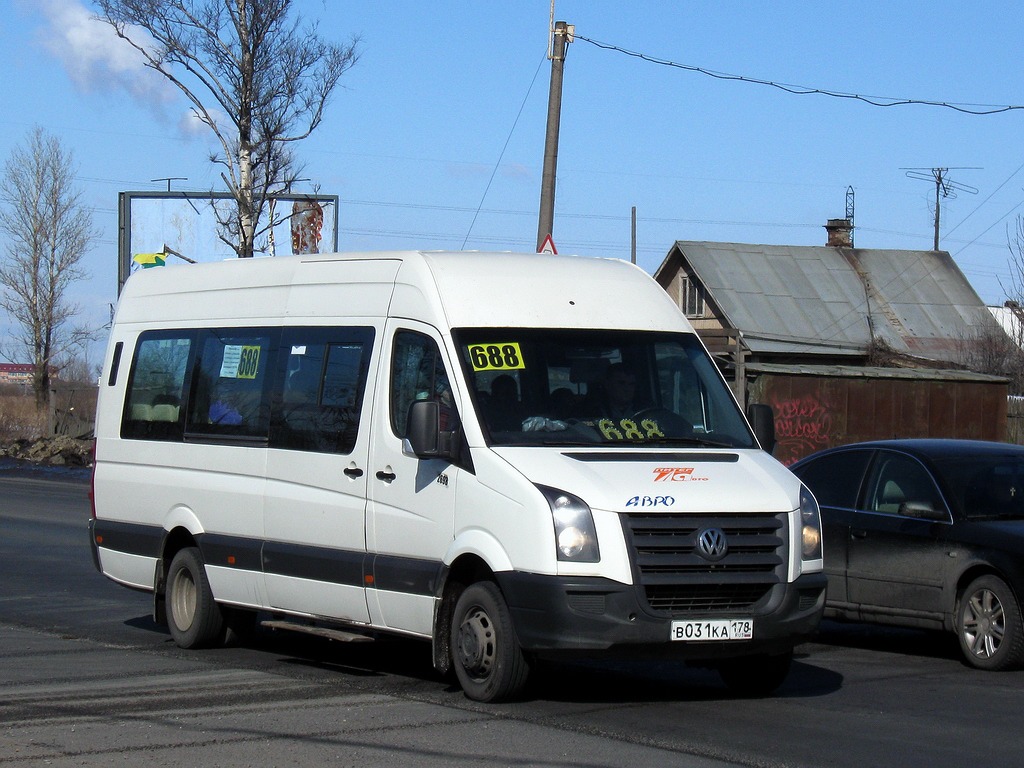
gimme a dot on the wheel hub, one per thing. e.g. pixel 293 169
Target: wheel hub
pixel 183 600
pixel 475 643
pixel 983 624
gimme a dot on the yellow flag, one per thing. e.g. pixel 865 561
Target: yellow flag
pixel 147 260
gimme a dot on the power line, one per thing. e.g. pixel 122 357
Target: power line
pixel 801 90
pixel 502 153
pixel 1005 182
pixel 589 216
pixel 984 232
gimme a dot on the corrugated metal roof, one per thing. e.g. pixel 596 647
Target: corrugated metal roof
pixel 824 300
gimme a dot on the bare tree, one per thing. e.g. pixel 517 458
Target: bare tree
pixel 258 81
pixel 1015 242
pixel 48 232
pixel 994 351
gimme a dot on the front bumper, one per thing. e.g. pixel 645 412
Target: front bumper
pixel 553 614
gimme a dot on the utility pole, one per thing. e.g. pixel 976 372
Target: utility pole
pixel 562 36
pixel 943 187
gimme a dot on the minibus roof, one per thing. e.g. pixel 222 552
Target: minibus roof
pixel 444 288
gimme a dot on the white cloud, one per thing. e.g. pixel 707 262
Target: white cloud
pixel 95 57
pixel 190 125
pixel 517 171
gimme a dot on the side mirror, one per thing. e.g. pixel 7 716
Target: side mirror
pixel 922 510
pixel 762 420
pixel 423 435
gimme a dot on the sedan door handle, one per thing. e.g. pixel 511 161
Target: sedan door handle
pixel 387 477
pixel 858 534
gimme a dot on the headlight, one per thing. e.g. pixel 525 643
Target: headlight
pixel 575 534
pixel 810 517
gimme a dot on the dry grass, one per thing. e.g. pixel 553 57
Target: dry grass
pixel 19 418
pixel 75 409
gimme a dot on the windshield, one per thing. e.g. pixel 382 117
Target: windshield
pixel 985 487
pixel 585 387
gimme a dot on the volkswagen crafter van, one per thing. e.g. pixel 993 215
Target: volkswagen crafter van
pixel 512 456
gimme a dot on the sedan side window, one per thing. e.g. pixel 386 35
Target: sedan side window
pixel 901 486
pixel 835 478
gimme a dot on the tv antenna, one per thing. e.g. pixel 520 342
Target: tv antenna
pixel 944 187
pixel 849 211
pixel 169 179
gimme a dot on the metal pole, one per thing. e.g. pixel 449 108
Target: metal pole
pixel 562 37
pixel 938 186
pixel 632 240
pixel 124 258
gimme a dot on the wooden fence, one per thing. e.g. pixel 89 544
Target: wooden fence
pixel 1015 420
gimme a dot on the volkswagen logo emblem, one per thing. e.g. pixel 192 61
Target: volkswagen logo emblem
pixel 711 544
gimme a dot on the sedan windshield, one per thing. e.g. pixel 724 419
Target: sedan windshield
pixel 572 387
pixel 985 487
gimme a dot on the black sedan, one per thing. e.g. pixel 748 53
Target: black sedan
pixel 926 533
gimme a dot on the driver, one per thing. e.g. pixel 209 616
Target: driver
pixel 619 392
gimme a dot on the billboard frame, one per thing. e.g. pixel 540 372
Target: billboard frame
pixel 124 217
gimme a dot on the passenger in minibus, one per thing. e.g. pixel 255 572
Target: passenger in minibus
pixel 504 411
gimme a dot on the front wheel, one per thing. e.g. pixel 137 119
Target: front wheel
pixel 755 675
pixel 488 661
pixel 193 617
pixel 988 625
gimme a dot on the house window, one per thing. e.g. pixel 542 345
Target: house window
pixel 691 297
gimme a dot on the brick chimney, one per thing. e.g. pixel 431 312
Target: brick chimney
pixel 840 233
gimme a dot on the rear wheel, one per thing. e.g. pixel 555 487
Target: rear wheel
pixel 193 617
pixel 488 661
pixel 989 625
pixel 755 675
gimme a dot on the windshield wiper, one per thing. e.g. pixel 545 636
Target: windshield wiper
pixel 701 441
pixel 660 441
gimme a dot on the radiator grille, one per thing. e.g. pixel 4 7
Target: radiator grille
pixel 677 579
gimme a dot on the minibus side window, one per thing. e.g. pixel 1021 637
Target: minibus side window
pixel 321 391
pixel 231 387
pixel 156 386
pixel 418 373
pixel 115 364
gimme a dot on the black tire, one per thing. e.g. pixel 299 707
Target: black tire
pixel 988 625
pixel 193 617
pixel 486 655
pixel 754 676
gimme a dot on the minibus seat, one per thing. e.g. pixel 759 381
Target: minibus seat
pixel 142 412
pixel 165 412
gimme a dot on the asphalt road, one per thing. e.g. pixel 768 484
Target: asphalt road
pixel 86 678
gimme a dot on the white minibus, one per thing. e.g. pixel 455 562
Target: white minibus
pixel 513 456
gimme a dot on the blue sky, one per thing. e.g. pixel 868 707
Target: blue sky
pixel 436 137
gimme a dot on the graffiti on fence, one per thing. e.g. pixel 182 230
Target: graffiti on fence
pixel 802 425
